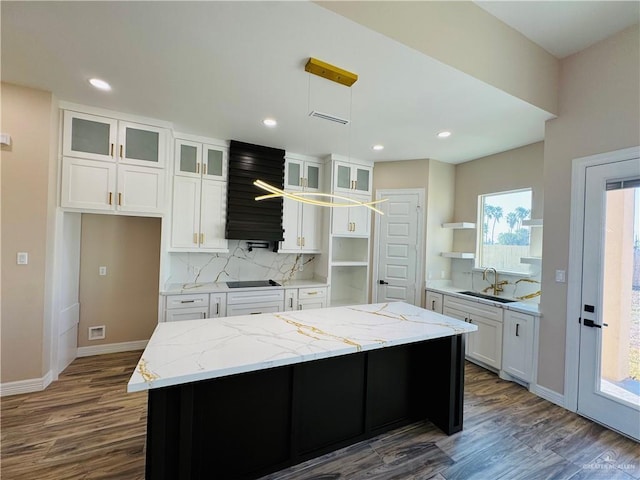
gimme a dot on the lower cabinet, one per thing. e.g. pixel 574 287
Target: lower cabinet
pixel 484 345
pixel 253 302
pixel 434 301
pixel 305 298
pixel 517 345
pixel 186 307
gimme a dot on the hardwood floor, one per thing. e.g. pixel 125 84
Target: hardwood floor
pixel 85 426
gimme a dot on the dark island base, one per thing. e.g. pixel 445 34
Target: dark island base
pixel 248 425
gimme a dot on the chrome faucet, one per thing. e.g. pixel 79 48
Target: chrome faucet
pixel 497 287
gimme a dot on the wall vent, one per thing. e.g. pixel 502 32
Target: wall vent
pixel 327 116
pixel 97 333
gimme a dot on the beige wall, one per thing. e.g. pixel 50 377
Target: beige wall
pixel 26 169
pixel 440 209
pixel 126 299
pixel 510 170
pixel 599 112
pixel 466 37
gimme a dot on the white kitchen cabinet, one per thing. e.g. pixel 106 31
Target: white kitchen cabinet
pixel 352 221
pixel 302 224
pixel 517 345
pixel 434 301
pixel 217 305
pixel 309 298
pixel 107 186
pixel 95 137
pixel 193 313
pixel 352 178
pixel 252 302
pixel 200 160
pixel 186 307
pixel 483 346
pixel 290 299
pixel 302 173
pixel 199 198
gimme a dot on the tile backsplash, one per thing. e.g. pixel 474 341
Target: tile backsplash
pixel 465 277
pixel 239 264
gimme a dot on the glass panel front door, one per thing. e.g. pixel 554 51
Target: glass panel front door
pixel 362 178
pixel 214 162
pixel 344 177
pixel 313 177
pixel 188 158
pixel 294 175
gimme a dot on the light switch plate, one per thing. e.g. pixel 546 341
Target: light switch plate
pixel 561 276
pixel 22 258
pixel 102 271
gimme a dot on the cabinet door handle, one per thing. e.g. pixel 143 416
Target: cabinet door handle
pixel 204 168
pixel 119 198
pixel 187 301
pixel 204 315
pixel 312 293
pixel 301 184
pixel 121 150
pixel 202 239
pixel 291 302
pixel 303 241
pixel 433 304
pixel 466 319
pixel 306 182
pixel 197 167
pixel 110 198
pixel 255 313
pixel 470 320
pixel 217 309
pixel 111 151
pixel 517 326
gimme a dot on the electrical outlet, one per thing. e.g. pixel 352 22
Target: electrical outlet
pixel 97 333
pixel 102 271
pixel 22 258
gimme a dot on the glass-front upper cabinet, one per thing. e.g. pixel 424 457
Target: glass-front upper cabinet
pixel 352 178
pixel 89 136
pixel 95 137
pixel 302 174
pixel 195 159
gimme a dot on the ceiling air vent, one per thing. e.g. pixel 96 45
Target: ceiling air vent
pixel 327 116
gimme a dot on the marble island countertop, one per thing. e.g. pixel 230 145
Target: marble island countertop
pixel 221 287
pixel 189 351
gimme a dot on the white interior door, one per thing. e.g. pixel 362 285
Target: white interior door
pixel 609 367
pixel 398 245
pixel 69 291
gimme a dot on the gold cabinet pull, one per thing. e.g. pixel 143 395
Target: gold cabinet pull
pixel 202 239
pixel 312 293
pixel 197 168
pixel 301 184
pixel 195 238
pixel 121 150
pixel 303 241
pixel 111 151
pixel 298 241
pixel 119 199
pixel 110 198
pixel 204 168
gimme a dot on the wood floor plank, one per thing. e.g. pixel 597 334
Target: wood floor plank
pixel 85 426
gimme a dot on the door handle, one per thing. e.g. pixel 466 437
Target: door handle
pixel 517 327
pixel 382 282
pixel 590 323
pixel 433 304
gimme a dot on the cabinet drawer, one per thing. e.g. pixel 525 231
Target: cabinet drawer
pixel 193 313
pixel 474 308
pixel 254 309
pixel 311 293
pixel 256 296
pixel 188 301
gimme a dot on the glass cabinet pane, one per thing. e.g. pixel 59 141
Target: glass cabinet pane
pixel 294 175
pixel 214 162
pixel 142 145
pixel 344 177
pixel 313 177
pixel 188 158
pixel 90 137
pixel 362 180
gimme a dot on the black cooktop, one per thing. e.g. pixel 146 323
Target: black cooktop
pixel 253 283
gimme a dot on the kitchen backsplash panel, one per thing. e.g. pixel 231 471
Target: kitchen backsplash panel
pixel 518 286
pixel 239 264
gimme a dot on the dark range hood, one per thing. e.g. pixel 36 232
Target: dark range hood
pixel 248 219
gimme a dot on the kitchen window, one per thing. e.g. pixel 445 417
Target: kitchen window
pixel 502 238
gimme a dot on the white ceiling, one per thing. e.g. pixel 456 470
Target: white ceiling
pixel 218 68
pixel 563 28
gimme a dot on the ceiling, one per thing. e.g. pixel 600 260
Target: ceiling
pixel 218 68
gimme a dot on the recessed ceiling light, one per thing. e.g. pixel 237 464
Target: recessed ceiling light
pixel 270 122
pixel 378 147
pixel 100 84
pixel 444 134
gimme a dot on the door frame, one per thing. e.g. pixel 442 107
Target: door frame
pixel 421 247
pixel 576 241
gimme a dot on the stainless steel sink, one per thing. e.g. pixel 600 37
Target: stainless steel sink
pixel 488 297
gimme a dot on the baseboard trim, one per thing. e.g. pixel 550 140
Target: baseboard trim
pixel 547 394
pixel 112 348
pixel 26 386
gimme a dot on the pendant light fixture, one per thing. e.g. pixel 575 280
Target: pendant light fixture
pixel 343 77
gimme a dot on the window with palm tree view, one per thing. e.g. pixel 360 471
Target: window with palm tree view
pixel 502 238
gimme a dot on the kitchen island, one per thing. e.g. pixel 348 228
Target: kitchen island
pixel 240 397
